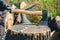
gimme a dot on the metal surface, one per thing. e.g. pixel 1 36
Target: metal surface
pixel 44 18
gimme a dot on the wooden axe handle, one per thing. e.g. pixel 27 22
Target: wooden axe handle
pixel 39 13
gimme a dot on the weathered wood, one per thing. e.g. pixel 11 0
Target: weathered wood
pixel 29 28
pixel 1 31
pixel 58 20
pixel 8 21
pixel 28 32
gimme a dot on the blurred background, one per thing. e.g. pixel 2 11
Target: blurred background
pixel 53 7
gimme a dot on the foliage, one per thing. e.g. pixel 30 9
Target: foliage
pixel 53 7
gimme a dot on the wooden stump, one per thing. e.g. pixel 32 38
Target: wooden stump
pixel 28 32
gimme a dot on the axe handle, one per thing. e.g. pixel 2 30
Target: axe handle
pixel 39 13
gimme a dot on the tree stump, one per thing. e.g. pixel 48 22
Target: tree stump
pixel 28 32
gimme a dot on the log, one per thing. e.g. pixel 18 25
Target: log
pixel 1 31
pixel 58 20
pixel 28 32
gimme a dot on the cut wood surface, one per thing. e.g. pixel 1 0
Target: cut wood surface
pixel 58 20
pixel 29 29
pixel 30 32
pixel 8 21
